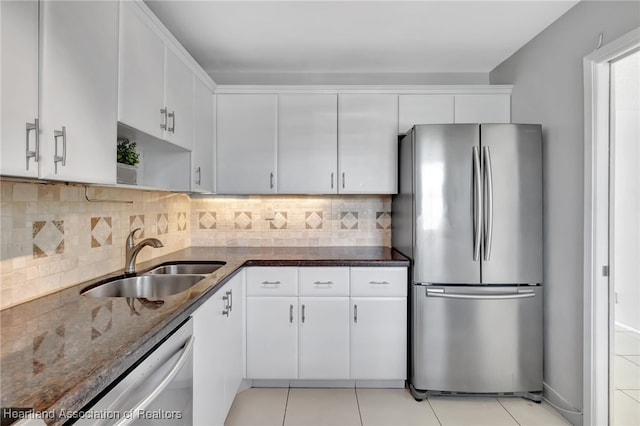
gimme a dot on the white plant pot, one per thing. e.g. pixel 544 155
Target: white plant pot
pixel 127 174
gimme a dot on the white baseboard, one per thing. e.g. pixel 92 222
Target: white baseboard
pixel 379 384
pixel 557 399
pixel 262 383
pixel 322 383
pixel 627 328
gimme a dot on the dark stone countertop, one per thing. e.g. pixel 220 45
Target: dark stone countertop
pixel 61 350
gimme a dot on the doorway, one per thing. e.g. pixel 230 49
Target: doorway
pixel 607 401
pixel 624 239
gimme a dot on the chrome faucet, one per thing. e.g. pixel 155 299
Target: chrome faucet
pixel 132 250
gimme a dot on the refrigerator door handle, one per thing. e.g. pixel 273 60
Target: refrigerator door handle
pixel 488 204
pixel 521 294
pixel 477 204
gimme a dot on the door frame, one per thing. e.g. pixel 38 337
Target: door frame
pixel 597 300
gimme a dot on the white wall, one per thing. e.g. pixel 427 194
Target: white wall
pixel 626 140
pixel 547 74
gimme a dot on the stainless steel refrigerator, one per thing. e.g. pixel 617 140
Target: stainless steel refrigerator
pixel 469 215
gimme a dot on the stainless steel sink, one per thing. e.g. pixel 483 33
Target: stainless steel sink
pixel 186 268
pixel 144 286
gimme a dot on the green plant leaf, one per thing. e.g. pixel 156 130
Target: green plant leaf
pixel 126 152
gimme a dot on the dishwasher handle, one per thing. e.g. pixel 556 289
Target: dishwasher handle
pixel 522 294
pixel 182 359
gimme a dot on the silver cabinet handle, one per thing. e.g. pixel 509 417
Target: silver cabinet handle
pixel 291 314
pixel 230 294
pixel 303 317
pixel 35 126
pixel 331 180
pixel 172 116
pixel 379 282
pixel 182 359
pixel 271 180
pixel 163 125
pixel 343 180
pixel 226 309
pixel 477 203
pixel 273 283
pixel 60 158
pixel 518 295
pixel 488 202
pixel 355 313
pixel 199 173
pixel 318 283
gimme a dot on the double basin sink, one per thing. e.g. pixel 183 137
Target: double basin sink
pixel 161 281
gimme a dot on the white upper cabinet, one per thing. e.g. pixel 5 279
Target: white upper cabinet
pixel 178 101
pixel 69 54
pixel 202 153
pixel 246 137
pixel 325 141
pixel 19 59
pixel 141 77
pixel 367 143
pixel 424 109
pixel 483 108
pixel 307 143
pixel 78 91
pixel 155 84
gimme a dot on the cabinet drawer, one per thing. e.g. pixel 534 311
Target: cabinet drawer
pixel 323 281
pixel 379 282
pixel 272 281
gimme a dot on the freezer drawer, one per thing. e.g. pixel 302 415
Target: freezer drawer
pixel 477 339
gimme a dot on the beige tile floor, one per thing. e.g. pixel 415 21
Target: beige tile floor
pixel 396 407
pixel 378 407
pixel 626 379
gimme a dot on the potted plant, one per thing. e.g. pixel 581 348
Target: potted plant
pixel 128 159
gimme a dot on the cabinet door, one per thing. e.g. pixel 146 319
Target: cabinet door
pixel 307 144
pixel 178 89
pixel 141 77
pixel 19 86
pixel 272 337
pixel 492 108
pixel 79 89
pixel 209 358
pixel 246 144
pixel 379 338
pixel 323 350
pixel 367 143
pixel 202 153
pixel 424 109
pixel 233 347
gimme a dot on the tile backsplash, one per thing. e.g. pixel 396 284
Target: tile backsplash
pixel 52 237
pixel 304 220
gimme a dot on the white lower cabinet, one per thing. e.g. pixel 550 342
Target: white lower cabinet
pixel 326 323
pixel 323 347
pixel 218 358
pixel 272 337
pixel 378 338
pixel 233 341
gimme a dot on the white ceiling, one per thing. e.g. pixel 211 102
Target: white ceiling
pixel 238 41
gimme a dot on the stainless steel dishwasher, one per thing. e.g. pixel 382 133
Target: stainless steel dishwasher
pixel 158 391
